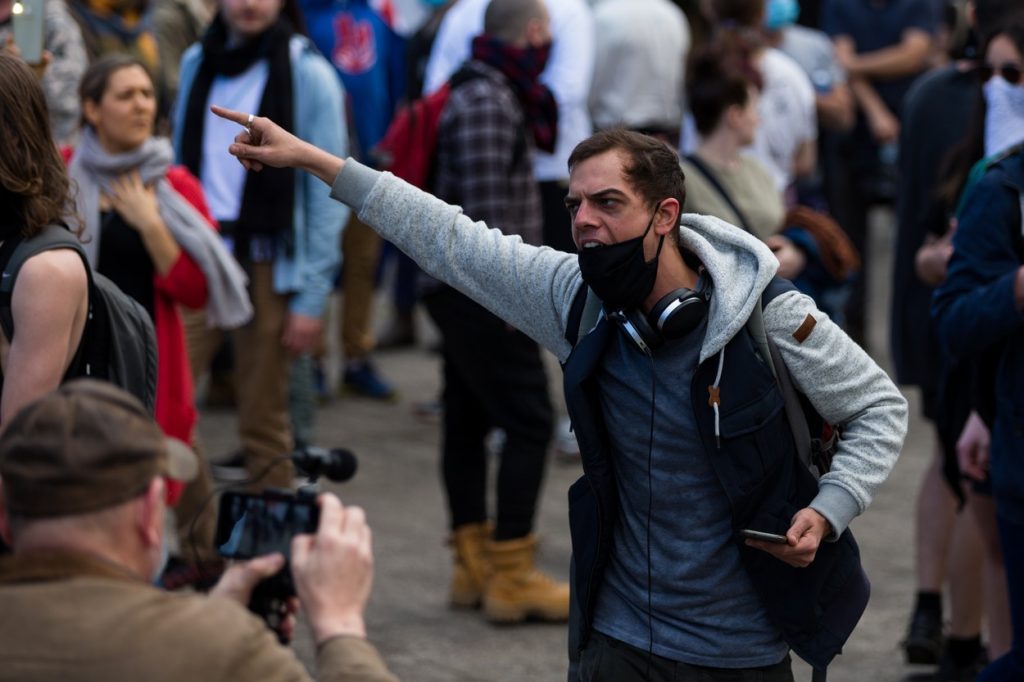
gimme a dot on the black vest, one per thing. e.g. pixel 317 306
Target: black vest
pixel 817 607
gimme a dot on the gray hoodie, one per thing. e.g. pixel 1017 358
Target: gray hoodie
pixel 532 288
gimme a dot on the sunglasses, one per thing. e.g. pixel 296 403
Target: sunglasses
pixel 1010 72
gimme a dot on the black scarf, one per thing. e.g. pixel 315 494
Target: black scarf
pixel 522 67
pixel 269 196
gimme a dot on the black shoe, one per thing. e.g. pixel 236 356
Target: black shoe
pixel 949 671
pixel 923 643
pixel 231 469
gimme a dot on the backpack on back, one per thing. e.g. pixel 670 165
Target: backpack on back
pixel 409 147
pixel 118 341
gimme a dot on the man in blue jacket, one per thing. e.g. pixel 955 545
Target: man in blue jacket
pixel 978 309
pixel 680 422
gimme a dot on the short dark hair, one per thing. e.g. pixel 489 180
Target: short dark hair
pixel 652 167
pixel 720 76
pixel 991 15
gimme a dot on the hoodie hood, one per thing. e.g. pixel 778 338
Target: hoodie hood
pixel 731 255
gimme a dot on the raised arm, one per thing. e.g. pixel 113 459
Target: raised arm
pixel 531 288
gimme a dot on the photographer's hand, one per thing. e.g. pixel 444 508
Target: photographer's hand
pixel 333 570
pixel 241 578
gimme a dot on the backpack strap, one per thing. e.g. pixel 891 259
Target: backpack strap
pixel 16 251
pixel 770 353
pixel 710 176
pixel 584 313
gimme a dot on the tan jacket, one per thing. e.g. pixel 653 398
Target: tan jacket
pixel 70 616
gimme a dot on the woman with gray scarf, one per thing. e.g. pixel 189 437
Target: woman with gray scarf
pixel 148 229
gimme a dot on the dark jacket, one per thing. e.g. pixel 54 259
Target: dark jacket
pixel 977 315
pixel 755 461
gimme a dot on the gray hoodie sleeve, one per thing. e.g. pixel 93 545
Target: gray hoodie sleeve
pixel 847 388
pixel 529 287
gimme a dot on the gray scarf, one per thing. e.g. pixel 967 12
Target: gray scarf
pixel 92 168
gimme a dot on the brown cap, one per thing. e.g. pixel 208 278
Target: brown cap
pixel 87 446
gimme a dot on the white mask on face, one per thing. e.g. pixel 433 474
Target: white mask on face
pixel 1004 115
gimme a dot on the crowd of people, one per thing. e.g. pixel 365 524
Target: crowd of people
pixel 672 198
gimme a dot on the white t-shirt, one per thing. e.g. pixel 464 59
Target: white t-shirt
pixel 223 178
pixel 788 115
pixel 638 70
pixel 568 72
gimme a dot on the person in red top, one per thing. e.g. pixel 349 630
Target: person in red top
pixel 147 227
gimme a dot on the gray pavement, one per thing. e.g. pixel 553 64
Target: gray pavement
pixel 398 485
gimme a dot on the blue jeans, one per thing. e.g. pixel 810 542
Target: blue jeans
pixel 606 658
pixel 1011 665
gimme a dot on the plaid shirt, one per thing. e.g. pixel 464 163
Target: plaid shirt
pixel 484 161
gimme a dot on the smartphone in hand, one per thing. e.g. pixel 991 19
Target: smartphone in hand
pixel 28 27
pixel 764 537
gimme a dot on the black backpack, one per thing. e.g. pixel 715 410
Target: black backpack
pixel 118 342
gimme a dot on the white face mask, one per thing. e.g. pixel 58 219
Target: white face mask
pixel 1004 115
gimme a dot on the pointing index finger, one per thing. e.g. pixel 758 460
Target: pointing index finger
pixel 230 114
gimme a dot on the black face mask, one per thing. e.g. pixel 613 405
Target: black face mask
pixel 618 273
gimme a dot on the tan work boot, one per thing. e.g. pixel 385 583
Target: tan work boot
pixel 518 590
pixel 472 569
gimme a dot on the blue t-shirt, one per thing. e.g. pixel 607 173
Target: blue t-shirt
pixel 877 24
pixel 369 57
pixel 704 608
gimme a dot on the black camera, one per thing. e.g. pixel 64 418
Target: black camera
pixel 251 525
pixel 256 524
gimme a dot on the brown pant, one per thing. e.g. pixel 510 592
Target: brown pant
pixel 261 376
pixel 360 248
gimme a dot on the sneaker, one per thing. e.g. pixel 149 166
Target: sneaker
pixel 231 469
pixel 924 643
pixel 363 380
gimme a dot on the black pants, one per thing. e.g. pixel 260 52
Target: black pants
pixel 605 658
pixel 493 377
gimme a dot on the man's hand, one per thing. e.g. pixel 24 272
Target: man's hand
pixel 301 333
pixel 972 448
pixel 333 570
pixel 802 539
pixel 264 143
pixel 241 578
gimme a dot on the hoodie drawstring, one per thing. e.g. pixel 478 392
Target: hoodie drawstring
pixel 715 398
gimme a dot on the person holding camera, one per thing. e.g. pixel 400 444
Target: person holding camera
pixel 84 475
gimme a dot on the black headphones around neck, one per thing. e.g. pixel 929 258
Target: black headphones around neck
pixel 674 316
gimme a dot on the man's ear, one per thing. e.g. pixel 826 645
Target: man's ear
pixel 150 513
pixel 667 217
